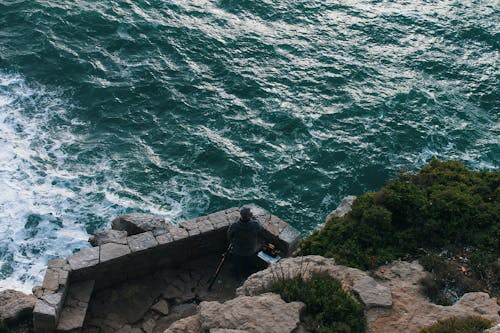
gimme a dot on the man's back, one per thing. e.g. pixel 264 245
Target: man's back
pixel 243 235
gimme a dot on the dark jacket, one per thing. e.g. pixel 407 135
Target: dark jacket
pixel 243 235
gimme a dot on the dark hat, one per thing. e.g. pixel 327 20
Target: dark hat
pixel 245 212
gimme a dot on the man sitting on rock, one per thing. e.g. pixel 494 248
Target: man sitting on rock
pixel 244 236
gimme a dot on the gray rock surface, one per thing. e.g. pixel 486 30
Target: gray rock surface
pixel 176 232
pixel 411 310
pixel 225 330
pixel 56 276
pixel 371 293
pixel 108 236
pixel 110 251
pixel 186 325
pixel 44 317
pixel 264 313
pixel 84 259
pixel 15 306
pixel 142 241
pixel 392 294
pixel 310 265
pixel 46 312
pixel 75 308
pixel 136 223
pixel 149 297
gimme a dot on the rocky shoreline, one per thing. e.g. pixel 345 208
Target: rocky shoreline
pixel 144 276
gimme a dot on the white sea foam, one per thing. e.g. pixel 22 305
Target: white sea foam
pixel 46 194
pixel 31 205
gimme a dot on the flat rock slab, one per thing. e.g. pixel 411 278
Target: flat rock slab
pixel 75 308
pixel 15 306
pixel 101 237
pixel 51 279
pixel 305 267
pixel 112 251
pixel 371 293
pixel 136 223
pixel 411 310
pixel 46 312
pixel 84 259
pixel 264 313
pixel 142 241
pixel 176 232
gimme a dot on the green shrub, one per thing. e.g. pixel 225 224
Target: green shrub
pixel 329 309
pixel 446 282
pixel 459 325
pixel 445 205
pixel 3 327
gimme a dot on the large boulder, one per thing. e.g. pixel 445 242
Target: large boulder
pixel 392 294
pixel 371 292
pixel 264 313
pixel 108 236
pixel 136 223
pixel 190 324
pixel 15 306
pixel 411 310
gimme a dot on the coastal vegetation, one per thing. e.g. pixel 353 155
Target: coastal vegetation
pixel 446 215
pixel 329 309
pixel 459 325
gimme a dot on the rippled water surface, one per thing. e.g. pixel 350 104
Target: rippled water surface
pixel 182 108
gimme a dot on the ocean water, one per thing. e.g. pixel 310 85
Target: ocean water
pixel 183 108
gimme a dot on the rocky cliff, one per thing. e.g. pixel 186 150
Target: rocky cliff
pixel 172 297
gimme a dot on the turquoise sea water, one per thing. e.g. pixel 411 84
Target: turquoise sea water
pixel 182 108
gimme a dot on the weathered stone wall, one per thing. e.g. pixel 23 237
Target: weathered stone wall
pixel 139 245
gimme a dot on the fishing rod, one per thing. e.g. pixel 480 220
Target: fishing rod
pixel 211 281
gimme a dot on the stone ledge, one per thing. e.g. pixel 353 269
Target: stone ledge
pixel 101 237
pixel 141 242
pixel 177 232
pixel 47 311
pixel 151 244
pixel 77 301
pixel 137 223
pixel 56 276
pixel 112 251
pixel 84 259
pixel 165 238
